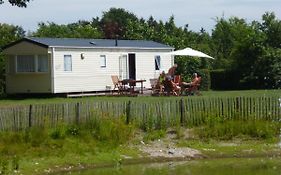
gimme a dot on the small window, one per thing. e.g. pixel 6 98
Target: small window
pixel 67 63
pixel 42 62
pixel 157 62
pixel 102 61
pixel 25 63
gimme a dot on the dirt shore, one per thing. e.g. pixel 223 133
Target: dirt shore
pixel 166 148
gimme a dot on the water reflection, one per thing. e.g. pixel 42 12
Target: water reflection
pixel 253 166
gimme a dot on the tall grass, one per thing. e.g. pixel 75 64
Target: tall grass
pixel 98 135
pixel 219 128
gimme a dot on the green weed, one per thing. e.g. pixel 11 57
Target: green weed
pixel 154 135
pixel 227 130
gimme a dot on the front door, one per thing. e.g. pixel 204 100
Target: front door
pixel 132 66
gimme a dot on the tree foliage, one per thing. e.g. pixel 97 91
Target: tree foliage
pixel 251 50
pixel 8 34
pixel 81 29
pixel 19 3
pixel 115 21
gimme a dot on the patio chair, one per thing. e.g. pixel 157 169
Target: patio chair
pixel 117 84
pixel 170 88
pixel 155 87
pixel 177 80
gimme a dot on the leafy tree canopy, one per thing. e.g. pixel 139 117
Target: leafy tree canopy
pixel 10 33
pixel 19 3
pixel 81 29
pixel 114 22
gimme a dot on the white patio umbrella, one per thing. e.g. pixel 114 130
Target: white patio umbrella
pixel 189 52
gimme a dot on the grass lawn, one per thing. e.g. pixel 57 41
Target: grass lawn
pixel 237 147
pixel 249 93
pixel 45 100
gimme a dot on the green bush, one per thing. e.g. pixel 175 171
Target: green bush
pixel 73 130
pixel 206 79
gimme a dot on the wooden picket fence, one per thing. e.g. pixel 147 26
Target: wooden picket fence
pixel 165 111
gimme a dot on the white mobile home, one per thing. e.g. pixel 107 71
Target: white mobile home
pixel 65 65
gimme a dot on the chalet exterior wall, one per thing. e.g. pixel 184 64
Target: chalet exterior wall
pixel 26 82
pixel 86 74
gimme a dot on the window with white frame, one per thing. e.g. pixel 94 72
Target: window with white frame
pixel 157 62
pixel 67 63
pixel 31 63
pixel 102 61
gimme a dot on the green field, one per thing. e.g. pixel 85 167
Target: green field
pixel 46 100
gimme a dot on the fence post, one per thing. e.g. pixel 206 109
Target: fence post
pixel 181 111
pixel 30 116
pixel 238 107
pixel 14 117
pixel 77 117
pixel 128 112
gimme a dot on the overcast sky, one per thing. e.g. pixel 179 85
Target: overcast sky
pixel 196 13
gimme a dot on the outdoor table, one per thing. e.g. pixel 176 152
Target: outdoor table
pixel 132 83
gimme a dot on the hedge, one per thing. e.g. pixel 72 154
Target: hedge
pixel 206 80
pixel 225 80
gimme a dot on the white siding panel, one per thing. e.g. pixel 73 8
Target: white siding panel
pixel 145 65
pixel 88 75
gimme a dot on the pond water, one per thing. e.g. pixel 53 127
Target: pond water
pixel 233 166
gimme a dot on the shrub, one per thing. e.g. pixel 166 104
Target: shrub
pixel 73 130
pixel 206 79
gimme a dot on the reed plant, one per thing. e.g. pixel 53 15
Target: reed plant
pixel 225 129
pixel 94 137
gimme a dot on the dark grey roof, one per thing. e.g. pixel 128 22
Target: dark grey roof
pixel 100 43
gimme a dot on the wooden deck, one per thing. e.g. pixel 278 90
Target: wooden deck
pixel 109 93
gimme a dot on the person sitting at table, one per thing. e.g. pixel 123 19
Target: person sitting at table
pixel 194 84
pixel 160 81
pixel 171 72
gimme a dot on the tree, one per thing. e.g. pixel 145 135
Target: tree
pixel 272 29
pixel 270 60
pixel 250 50
pixel 81 29
pixel 8 34
pixel 19 3
pixel 114 22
